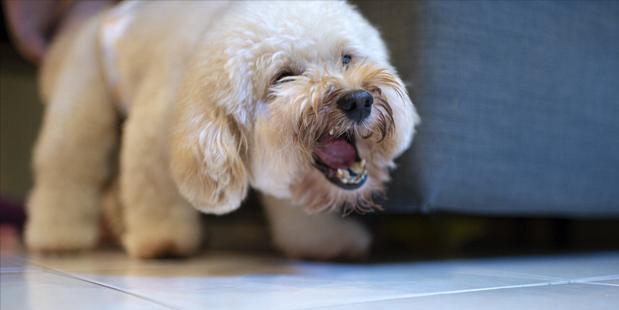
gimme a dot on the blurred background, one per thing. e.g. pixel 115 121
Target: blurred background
pixel 518 152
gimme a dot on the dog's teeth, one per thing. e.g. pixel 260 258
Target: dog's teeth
pixel 352 175
pixel 331 132
pixel 358 167
pixel 343 175
pixel 360 177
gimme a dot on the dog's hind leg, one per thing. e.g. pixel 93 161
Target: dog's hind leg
pixel 72 157
pixel 322 236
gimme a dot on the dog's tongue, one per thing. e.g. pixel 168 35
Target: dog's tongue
pixel 336 153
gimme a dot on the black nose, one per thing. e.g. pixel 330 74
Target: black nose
pixel 356 104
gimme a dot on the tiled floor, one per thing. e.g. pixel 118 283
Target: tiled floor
pixel 109 280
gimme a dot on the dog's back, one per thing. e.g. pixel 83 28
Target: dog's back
pixel 129 40
pixel 141 39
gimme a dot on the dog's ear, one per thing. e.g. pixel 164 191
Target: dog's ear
pixel 208 143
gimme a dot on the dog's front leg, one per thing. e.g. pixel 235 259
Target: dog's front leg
pixel 72 155
pixel 324 236
pixel 159 221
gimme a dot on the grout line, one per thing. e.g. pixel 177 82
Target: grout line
pixel 601 283
pixel 556 282
pixel 493 272
pixel 97 283
pixel 490 288
pixel 597 278
pixel 415 295
pixel 118 289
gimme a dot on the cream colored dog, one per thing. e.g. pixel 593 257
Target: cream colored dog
pixel 203 100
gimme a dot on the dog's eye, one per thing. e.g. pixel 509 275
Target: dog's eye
pixel 281 75
pixel 346 59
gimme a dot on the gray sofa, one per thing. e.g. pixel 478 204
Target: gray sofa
pixel 519 103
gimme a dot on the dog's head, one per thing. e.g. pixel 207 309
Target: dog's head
pixel 298 100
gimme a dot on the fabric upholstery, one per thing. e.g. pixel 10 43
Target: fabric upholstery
pixel 519 103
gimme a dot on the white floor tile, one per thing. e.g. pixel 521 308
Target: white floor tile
pixel 566 296
pixel 309 285
pixel 245 281
pixel 42 290
pixel 557 267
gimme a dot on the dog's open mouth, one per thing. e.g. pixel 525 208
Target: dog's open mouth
pixel 338 159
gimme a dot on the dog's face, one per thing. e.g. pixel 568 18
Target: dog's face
pixel 318 111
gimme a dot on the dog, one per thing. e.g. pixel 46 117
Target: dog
pixel 157 107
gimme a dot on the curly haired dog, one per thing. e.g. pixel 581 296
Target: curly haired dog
pixel 295 99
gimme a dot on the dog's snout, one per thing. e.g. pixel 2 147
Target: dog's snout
pixel 357 105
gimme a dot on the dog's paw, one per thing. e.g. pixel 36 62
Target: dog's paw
pixel 61 223
pixel 348 240
pixel 61 237
pixel 163 239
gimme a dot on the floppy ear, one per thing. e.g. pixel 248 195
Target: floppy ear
pixel 208 145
